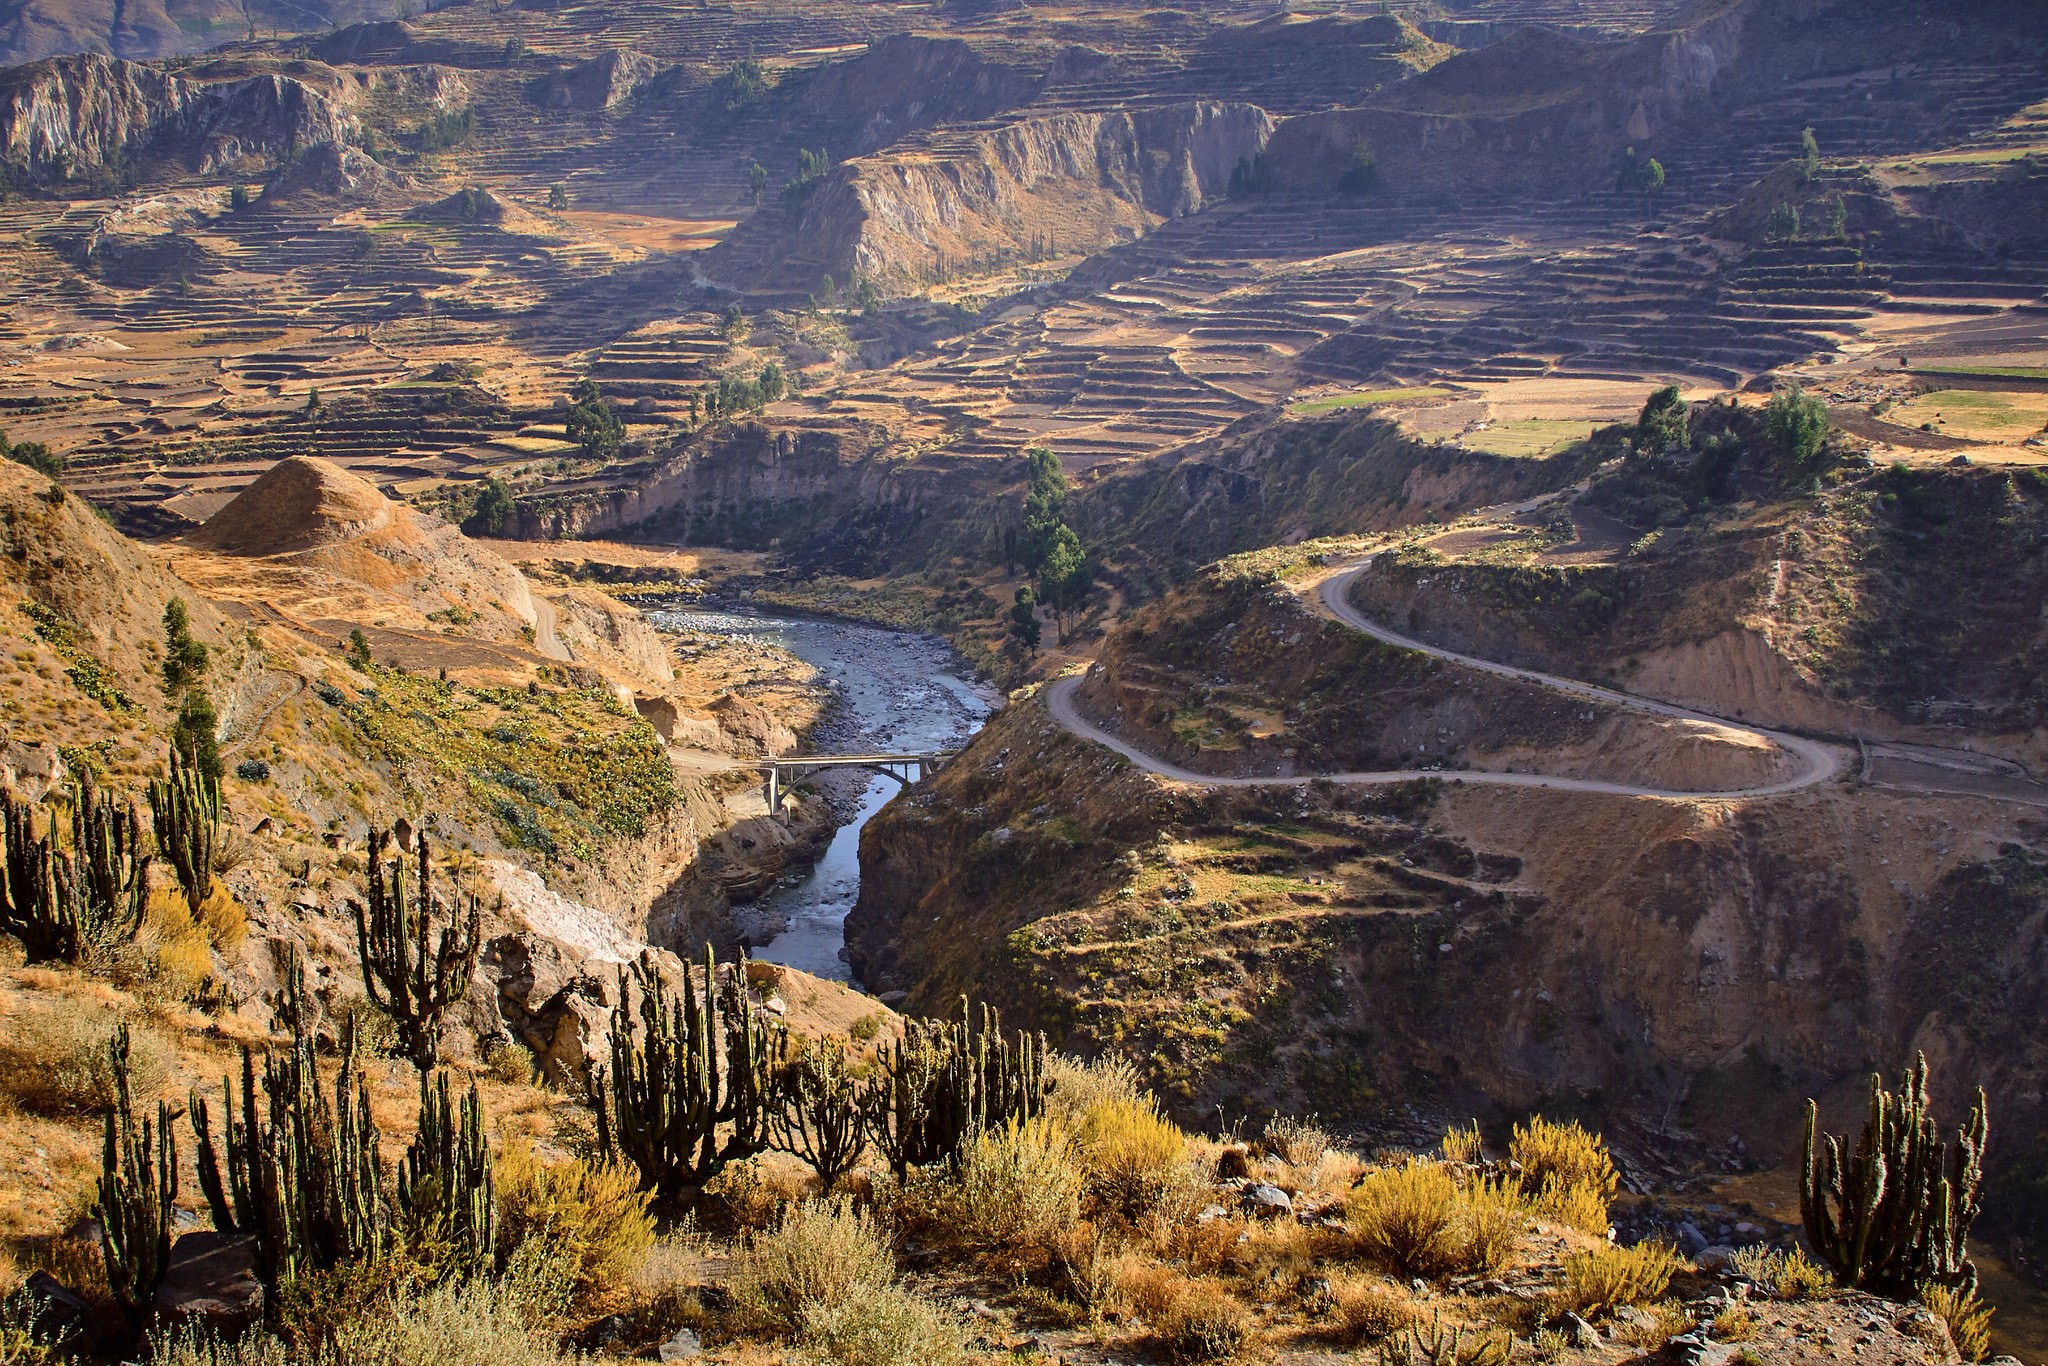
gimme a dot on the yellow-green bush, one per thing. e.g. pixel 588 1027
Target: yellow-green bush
pixel 824 1253
pixel 592 1219
pixel 1130 1154
pixel 1416 1220
pixel 1968 1319
pixel 1605 1278
pixel 1566 1173
pixel 885 1327
pixel 1073 1087
pixel 1463 1145
pixel 1783 1275
pixel 1018 1196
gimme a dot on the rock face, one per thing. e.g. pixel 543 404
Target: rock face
pixel 599 83
pixel 69 116
pixel 1069 181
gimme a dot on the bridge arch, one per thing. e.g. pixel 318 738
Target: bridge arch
pixel 783 772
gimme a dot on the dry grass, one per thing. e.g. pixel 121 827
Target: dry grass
pixel 1655 1325
pixel 1190 1319
pixel 824 1253
pixel 1735 1323
pixel 1602 1279
pixel 53 1056
pixel 1073 1087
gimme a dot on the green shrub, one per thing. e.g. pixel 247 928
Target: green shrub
pixel 824 1253
pixel 885 1327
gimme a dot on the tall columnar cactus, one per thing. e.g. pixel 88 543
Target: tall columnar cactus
pixel 1893 1214
pixel 185 810
pixel 820 1117
pixel 945 1084
pixel 445 1190
pixel 106 841
pixel 302 1175
pixel 40 901
pixel 697 1088
pixel 413 977
pixel 138 1183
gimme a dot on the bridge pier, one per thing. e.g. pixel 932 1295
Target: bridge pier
pixel 906 769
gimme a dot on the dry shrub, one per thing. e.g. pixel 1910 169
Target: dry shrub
pixel 1783 1275
pixel 1297 1142
pixel 466 1323
pixel 1018 1196
pixel 1566 1173
pixel 1605 1278
pixel 1073 1087
pixel 1415 1219
pixel 193 1346
pixel 77 1264
pixel 54 1062
pixel 665 1294
pixel 1365 1309
pixel 1463 1145
pixel 824 1253
pixel 1274 1258
pixel 1191 1320
pixel 886 1327
pixel 509 1062
pixel 756 1194
pixel 1130 1155
pixel 592 1220
pixel 1658 1324
pixel 1088 1268
pixel 1968 1319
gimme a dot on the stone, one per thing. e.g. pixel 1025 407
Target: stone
pixel 1690 1240
pixel 1267 1200
pixel 1581 1334
pixel 1696 1349
pixel 682 1347
pixel 211 1283
pixel 57 1311
pixel 1715 1258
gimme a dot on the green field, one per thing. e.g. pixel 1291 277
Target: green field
pixel 1529 436
pixel 1975 414
pixel 1984 371
pixel 1364 399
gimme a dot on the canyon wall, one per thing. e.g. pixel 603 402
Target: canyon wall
pixel 73 116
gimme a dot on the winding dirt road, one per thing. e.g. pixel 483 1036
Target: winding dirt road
pixel 1818 762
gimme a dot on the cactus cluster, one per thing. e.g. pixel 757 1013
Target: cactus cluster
pixel 444 1181
pixel 62 903
pixel 410 974
pixel 696 1085
pixel 1892 1215
pixel 138 1183
pixel 944 1084
pixel 302 1174
pixel 185 809
pixel 705 1078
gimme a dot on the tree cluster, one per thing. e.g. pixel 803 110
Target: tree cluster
pixel 33 454
pixel 1639 175
pixel 1047 549
pixel 184 670
pixel 593 423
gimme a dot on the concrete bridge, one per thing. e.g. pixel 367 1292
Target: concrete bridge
pixel 906 769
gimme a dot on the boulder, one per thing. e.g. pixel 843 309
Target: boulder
pixel 1266 1200
pixel 211 1283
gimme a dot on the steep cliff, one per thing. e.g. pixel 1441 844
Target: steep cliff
pixel 139 29
pixel 1064 182
pixel 76 116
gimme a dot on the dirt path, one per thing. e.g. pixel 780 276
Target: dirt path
pixel 1818 762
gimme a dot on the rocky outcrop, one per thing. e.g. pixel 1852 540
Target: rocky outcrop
pixel 75 116
pixel 333 170
pixel 899 85
pixel 1063 182
pixel 605 80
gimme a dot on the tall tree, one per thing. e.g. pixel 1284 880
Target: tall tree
pixel 1045 506
pixel 1065 579
pixel 1662 426
pixel 594 424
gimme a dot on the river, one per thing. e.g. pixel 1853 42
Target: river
pixel 900 694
